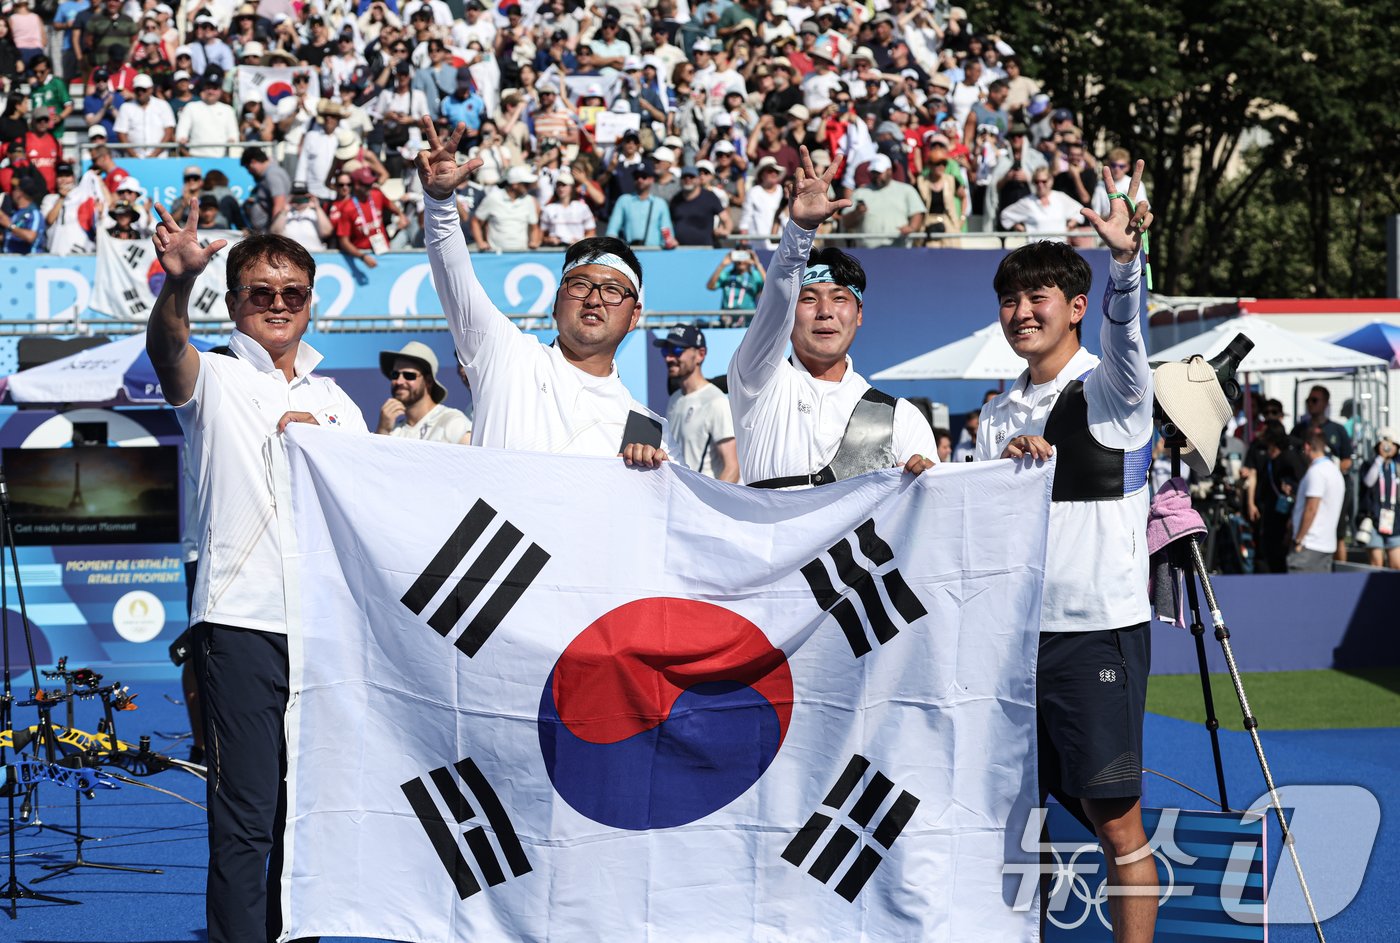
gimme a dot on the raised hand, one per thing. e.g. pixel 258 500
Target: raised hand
pixel 178 249
pixel 1123 229
pixel 810 206
pixel 438 169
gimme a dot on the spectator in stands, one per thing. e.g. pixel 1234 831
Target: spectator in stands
pixel 14 122
pixel 66 21
pixel 130 192
pixel 102 102
pixel 322 145
pixel 104 168
pixel 508 219
pixel 109 30
pixel 437 77
pixel 255 124
pixel 885 207
pixel 565 219
pixel 43 150
pixel 69 213
pixel 1011 178
pixel 1120 162
pixel 642 218
pixel 27 31
pixel 146 121
pixel 24 227
pixel 764 201
pixel 47 92
pixel 989 112
pixel 767 141
pixel 209 49
pixel 944 196
pixel 668 182
pixel 269 196
pixel 304 221
pixel 1080 176
pixel 1045 211
pixel 397 111
pixel 210 217
pixel 124 218
pixel 1020 89
pixel 1317 512
pixel 696 213
pixel 739 278
pixel 464 106
pixel 362 220
pixel 204 125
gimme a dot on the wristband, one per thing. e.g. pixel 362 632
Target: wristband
pixel 1146 246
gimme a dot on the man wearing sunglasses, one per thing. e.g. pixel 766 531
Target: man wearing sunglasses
pixel 229 406
pixel 564 397
pixel 414 409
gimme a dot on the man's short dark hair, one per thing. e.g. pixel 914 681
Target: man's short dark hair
pixel 600 246
pixel 1010 59
pixel 998 85
pixel 1316 443
pixel 41 59
pixel 1043 265
pixel 1324 391
pixel 1276 439
pixel 266 246
pixel 940 433
pixel 251 156
pixel 845 269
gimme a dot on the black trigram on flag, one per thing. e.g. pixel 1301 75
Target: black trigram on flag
pixel 444 838
pixel 483 568
pixel 838 847
pixel 858 579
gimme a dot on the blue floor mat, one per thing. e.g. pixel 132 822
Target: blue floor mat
pixel 140 827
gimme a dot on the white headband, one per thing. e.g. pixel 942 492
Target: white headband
pixel 614 262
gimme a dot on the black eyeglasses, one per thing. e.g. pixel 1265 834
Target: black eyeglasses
pixel 261 296
pixel 409 375
pixel 580 288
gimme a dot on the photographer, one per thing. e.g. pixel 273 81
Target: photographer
pixel 739 278
pixel 1382 482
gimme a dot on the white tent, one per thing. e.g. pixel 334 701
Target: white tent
pixel 1276 349
pixel 984 355
pixel 119 373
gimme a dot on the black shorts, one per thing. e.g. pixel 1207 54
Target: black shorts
pixel 1091 694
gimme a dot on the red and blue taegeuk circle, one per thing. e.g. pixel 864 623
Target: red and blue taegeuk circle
pixel 276 91
pixel 662 712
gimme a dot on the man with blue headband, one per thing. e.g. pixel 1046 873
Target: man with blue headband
pixel 563 397
pixel 811 419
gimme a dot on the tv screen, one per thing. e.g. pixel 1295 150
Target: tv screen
pixel 94 495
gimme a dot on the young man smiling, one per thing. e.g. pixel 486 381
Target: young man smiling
pixel 811 420
pixel 229 406
pixel 563 397
pixel 1096 416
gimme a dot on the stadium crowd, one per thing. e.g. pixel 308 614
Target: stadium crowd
pixel 664 123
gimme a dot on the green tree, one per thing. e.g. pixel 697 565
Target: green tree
pixel 1229 103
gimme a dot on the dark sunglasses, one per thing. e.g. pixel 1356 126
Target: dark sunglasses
pixel 673 351
pixel 261 296
pixel 189 177
pixel 409 375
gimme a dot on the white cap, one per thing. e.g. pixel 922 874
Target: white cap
pixel 593 90
pixel 142 80
pixel 97 131
pixel 180 75
pixel 520 174
pixel 165 8
pixel 702 45
pixel 673 141
pixel 723 147
pixel 1387 434
pixel 621 107
pixel 705 165
pixel 631 64
pixel 863 53
pixel 132 184
pixel 664 153
pixel 722 120
pixel 880 163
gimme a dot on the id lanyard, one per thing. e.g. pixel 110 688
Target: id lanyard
pixel 1394 485
pixel 372 223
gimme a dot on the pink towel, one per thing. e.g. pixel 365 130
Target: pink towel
pixel 1172 517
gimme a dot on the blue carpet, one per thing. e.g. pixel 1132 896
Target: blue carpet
pixel 139 827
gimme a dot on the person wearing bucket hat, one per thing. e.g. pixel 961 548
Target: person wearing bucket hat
pixel 565 397
pixel 1095 416
pixel 812 419
pixel 414 408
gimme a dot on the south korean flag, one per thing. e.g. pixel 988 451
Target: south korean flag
pixel 556 698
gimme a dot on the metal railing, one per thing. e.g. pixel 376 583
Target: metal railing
pixel 1001 239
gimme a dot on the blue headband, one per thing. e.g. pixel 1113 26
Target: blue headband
pixel 818 274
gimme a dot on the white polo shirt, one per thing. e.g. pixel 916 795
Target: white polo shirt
pixel 229 423
pixel 527 396
pixel 1322 480
pixel 786 421
pixel 699 422
pixel 1096 560
pixel 441 424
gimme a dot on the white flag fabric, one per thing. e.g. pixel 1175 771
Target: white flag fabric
pixel 129 277
pixel 271 85
pixel 554 698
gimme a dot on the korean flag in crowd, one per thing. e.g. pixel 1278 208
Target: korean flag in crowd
pixel 129 278
pixel 556 698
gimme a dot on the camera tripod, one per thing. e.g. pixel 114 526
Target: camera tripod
pixel 1185 559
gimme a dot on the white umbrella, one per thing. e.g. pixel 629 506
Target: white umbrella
pixel 115 373
pixel 1276 349
pixel 984 355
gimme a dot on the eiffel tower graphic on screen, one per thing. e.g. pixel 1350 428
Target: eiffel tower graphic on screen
pixel 76 503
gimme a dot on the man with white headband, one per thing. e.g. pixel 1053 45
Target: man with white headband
pixel 564 397
pixel 811 420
